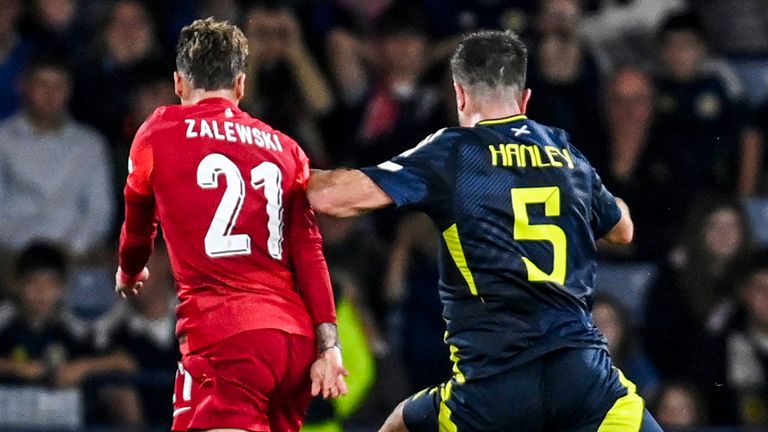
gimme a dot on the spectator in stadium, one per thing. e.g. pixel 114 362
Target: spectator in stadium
pixel 627 130
pixel 703 140
pixel 614 322
pixel 108 74
pixel 387 106
pixel 623 31
pixel 747 343
pixel 55 24
pixel 153 88
pixel 14 51
pixel 691 298
pixel 144 330
pixel 679 405
pixel 72 203
pixel 285 85
pixel 738 30
pixel 41 343
pixel 564 75
pixel 411 286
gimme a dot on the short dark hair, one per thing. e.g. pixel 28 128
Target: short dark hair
pixel 682 22
pixel 211 54
pixel 41 256
pixel 47 59
pixel 492 58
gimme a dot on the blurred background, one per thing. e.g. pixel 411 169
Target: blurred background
pixel 667 98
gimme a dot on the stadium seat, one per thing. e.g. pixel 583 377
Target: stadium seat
pixel 628 283
pixel 757 210
pixel 40 408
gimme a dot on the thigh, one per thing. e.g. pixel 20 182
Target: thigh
pixel 289 403
pixel 587 393
pixel 229 384
pixel 506 402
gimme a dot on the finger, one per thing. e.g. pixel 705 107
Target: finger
pixel 316 386
pixel 343 371
pixel 122 294
pixel 342 384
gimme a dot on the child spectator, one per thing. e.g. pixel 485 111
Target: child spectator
pixel 43 344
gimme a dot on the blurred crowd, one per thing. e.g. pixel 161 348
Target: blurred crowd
pixel 667 98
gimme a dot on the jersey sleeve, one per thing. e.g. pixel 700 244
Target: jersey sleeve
pixel 140 227
pixel 140 162
pixel 306 249
pixel 605 212
pixel 420 175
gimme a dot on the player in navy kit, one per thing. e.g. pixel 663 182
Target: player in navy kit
pixel 520 210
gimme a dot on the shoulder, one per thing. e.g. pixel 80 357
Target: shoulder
pixel 75 327
pixel 86 136
pixel 447 137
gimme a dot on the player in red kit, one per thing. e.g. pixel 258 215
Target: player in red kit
pixel 256 317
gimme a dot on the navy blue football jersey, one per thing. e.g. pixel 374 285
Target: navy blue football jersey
pixel 520 210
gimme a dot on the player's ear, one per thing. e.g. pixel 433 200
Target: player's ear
pixel 178 85
pixel 461 96
pixel 240 86
pixel 525 97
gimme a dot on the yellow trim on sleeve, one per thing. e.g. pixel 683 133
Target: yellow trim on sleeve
pixel 445 424
pixel 626 414
pixel 503 120
pixel 451 236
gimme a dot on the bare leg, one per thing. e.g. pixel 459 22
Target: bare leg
pixel 395 421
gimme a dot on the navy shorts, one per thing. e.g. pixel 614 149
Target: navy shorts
pixel 573 390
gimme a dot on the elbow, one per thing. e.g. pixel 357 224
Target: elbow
pixel 626 236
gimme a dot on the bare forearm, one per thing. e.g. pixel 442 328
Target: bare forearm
pixel 345 193
pixel 624 230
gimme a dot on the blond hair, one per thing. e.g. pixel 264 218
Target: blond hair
pixel 211 54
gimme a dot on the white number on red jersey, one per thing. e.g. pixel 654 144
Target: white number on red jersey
pixel 219 240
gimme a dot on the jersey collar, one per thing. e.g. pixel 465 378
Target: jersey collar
pixel 503 120
pixel 217 101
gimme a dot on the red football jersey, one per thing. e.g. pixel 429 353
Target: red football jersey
pixel 230 194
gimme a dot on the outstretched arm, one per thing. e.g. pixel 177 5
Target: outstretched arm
pixel 624 230
pixel 345 193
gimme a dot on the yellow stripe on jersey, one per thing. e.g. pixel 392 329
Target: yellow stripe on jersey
pixel 451 236
pixel 503 120
pixel 445 424
pixel 626 414
pixel 457 373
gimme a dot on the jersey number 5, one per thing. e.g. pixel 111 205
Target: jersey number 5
pixel 219 241
pixel 524 231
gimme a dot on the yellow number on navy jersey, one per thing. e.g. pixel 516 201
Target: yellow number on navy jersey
pixel 524 231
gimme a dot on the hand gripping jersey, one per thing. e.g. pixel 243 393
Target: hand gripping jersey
pixel 520 210
pixel 229 193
